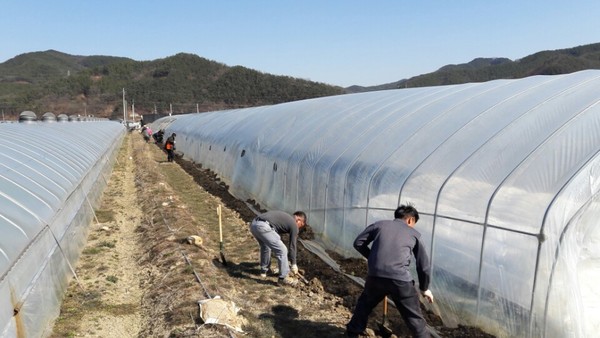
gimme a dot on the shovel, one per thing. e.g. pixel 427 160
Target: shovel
pixel 223 260
pixel 384 327
pixel 302 278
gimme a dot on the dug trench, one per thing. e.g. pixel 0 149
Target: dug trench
pixel 176 259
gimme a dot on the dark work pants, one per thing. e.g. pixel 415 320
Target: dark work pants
pixel 170 155
pixel 404 295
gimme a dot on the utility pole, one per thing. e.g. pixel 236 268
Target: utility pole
pixel 170 109
pixel 133 109
pixel 124 108
pixel 155 109
pixel 197 110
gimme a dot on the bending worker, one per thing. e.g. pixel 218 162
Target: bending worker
pixel 266 228
pixel 394 242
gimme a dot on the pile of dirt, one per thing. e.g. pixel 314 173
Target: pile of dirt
pixel 177 201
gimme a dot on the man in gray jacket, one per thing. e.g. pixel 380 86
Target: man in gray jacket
pixel 266 228
pixel 393 244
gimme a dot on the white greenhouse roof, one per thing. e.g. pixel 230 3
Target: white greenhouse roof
pixel 505 174
pixel 51 176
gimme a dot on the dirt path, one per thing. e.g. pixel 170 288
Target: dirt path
pixel 140 275
pixel 104 300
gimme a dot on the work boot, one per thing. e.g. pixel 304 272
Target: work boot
pixel 271 272
pixel 287 281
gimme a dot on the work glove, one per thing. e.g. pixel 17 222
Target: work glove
pixel 427 294
pixel 295 269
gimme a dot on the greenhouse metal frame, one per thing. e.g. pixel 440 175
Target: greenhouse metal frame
pixel 505 174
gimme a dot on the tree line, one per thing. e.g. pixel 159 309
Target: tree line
pixel 95 85
pixel 184 83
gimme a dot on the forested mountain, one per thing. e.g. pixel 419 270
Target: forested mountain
pixel 561 61
pixel 183 83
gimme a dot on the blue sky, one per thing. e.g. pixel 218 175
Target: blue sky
pixel 337 42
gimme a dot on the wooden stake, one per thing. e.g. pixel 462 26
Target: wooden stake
pixel 223 260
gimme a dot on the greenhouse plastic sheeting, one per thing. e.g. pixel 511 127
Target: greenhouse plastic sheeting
pixel 505 174
pixel 51 177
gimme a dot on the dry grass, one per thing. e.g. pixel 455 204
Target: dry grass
pixel 105 216
pixel 153 219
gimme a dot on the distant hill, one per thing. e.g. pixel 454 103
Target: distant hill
pixel 183 83
pixel 561 61
pixel 93 85
pixel 39 67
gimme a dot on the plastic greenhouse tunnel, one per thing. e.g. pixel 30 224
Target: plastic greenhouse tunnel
pixel 52 174
pixel 505 175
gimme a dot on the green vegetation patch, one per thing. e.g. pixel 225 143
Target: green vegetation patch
pixel 92 251
pixel 80 303
pixel 106 244
pixel 105 216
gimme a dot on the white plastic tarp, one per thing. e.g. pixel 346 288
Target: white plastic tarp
pixel 51 176
pixel 504 173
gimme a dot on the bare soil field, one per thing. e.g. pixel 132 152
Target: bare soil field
pixel 153 254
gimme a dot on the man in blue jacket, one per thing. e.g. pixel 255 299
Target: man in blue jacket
pixel 394 242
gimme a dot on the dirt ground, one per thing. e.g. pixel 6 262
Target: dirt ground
pixel 142 274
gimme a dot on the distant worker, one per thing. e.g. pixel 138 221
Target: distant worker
pixel 146 133
pixel 149 134
pixel 158 136
pixel 170 147
pixel 267 228
pixel 393 244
